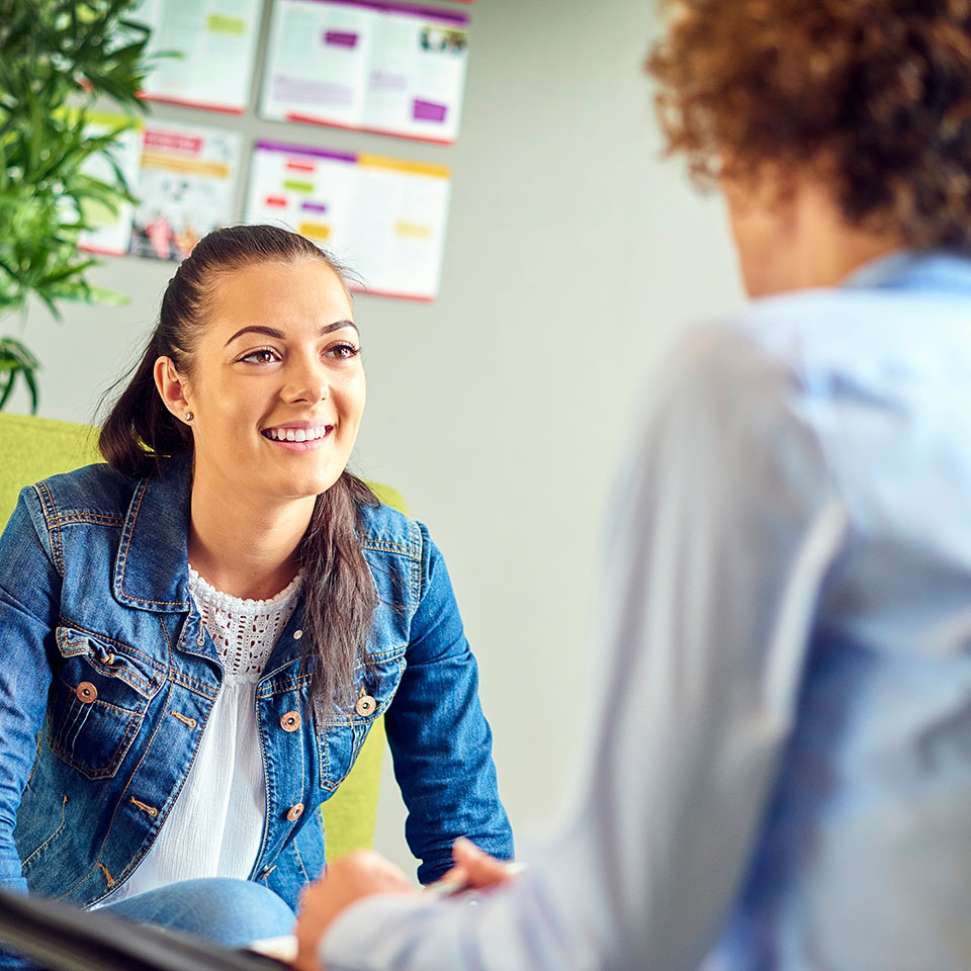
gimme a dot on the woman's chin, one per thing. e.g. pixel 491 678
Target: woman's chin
pixel 304 485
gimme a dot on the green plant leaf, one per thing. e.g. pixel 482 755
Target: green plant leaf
pixel 58 58
pixel 29 375
pixel 16 360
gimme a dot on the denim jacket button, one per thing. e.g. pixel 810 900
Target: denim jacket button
pixel 290 722
pixel 86 692
pixel 295 812
pixel 365 705
pixel 297 634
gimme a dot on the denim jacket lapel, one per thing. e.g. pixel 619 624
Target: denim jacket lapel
pixel 151 568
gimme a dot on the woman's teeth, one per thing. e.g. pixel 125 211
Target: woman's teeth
pixel 296 434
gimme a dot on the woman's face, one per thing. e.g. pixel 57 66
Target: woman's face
pixel 277 384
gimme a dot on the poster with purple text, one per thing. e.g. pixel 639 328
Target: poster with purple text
pixel 394 68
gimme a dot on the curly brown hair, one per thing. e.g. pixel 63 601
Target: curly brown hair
pixel 875 94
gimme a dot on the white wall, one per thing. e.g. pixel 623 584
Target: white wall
pixel 500 411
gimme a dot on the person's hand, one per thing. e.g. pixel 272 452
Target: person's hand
pixel 475 868
pixel 346 881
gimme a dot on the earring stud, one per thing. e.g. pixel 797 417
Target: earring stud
pixel 189 416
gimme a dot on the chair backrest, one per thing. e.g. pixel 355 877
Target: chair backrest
pixel 35 448
pixel 31 449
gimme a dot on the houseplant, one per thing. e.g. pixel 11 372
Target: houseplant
pixel 57 59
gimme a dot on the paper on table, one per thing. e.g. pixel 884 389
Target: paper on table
pixel 279 948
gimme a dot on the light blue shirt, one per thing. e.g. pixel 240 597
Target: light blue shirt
pixel 780 772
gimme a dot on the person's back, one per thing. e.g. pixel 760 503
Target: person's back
pixel 858 864
pixel 780 776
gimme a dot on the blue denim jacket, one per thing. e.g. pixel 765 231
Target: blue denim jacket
pixel 108 677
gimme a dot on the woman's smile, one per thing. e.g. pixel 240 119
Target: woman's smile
pixel 298 436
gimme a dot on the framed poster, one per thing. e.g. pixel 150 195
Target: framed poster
pixel 110 231
pixel 217 41
pixel 393 68
pixel 185 186
pixel 383 218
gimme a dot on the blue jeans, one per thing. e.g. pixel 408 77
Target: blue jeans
pixel 228 912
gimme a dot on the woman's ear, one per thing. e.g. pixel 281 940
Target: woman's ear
pixel 171 388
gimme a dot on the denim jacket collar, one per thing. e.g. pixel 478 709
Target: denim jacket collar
pixel 151 568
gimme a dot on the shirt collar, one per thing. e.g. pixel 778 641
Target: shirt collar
pixel 914 270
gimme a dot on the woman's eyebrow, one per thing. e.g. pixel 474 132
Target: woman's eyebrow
pixel 273 332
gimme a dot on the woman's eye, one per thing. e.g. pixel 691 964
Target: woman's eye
pixel 264 355
pixel 344 352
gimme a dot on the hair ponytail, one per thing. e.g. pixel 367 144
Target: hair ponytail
pixel 139 430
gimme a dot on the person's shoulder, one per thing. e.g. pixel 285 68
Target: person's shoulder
pixel 718 368
pixel 772 349
pixel 386 530
pixel 92 490
pixel 738 385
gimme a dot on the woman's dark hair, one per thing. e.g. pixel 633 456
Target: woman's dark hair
pixel 875 94
pixel 140 436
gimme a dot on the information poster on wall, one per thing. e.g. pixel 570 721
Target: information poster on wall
pixel 185 187
pixel 394 68
pixel 110 230
pixel 217 41
pixel 382 218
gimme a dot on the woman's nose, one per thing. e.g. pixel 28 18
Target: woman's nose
pixel 307 383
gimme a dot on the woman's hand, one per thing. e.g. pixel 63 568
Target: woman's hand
pixel 346 881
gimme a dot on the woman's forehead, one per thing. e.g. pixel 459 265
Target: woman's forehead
pixel 306 293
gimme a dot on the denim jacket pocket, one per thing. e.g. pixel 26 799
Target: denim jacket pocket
pixel 340 738
pixel 99 699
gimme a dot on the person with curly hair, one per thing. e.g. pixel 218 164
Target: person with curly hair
pixel 781 770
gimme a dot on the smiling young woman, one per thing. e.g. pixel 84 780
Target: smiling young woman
pixel 208 625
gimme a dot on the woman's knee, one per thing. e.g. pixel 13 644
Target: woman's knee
pixel 246 911
pixel 228 912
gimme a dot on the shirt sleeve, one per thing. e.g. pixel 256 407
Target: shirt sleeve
pixel 441 743
pixel 725 525
pixel 29 593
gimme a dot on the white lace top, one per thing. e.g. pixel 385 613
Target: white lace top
pixel 216 825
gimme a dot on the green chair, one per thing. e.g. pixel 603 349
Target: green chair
pixel 34 448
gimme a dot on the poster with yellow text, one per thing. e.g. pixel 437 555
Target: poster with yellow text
pixel 185 188
pixel 383 218
pixel 216 41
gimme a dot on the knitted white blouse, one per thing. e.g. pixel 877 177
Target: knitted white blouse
pixel 216 825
